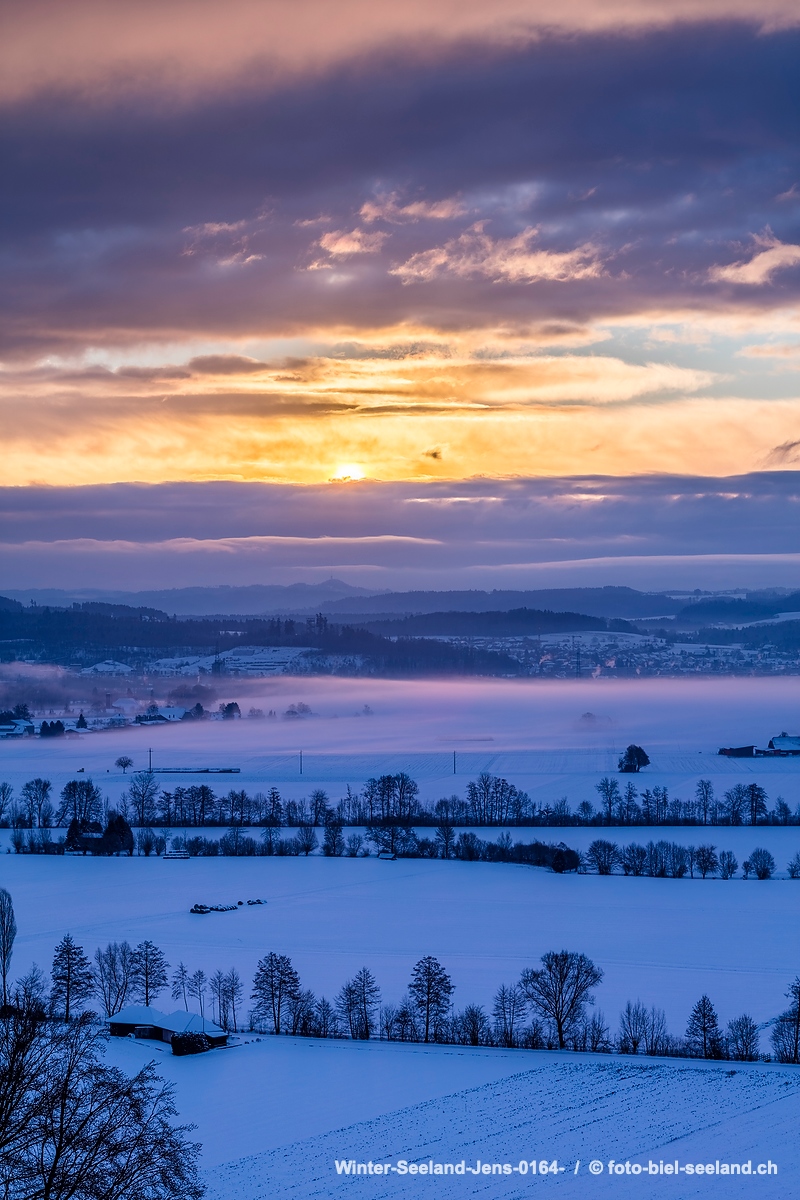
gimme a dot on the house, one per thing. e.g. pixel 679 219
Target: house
pixel 785 744
pixel 148 1022
pixel 171 713
pixel 17 728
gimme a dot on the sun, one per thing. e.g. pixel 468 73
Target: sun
pixel 348 472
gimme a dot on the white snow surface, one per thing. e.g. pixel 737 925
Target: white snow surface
pixel 663 940
pixel 534 733
pixel 268 1113
pixel 570 1111
pixel 274 1116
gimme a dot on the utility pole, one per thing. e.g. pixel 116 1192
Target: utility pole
pixel 301 762
pixel 149 760
pixel 454 762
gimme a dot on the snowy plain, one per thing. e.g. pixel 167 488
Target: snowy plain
pixel 551 738
pixel 267 1113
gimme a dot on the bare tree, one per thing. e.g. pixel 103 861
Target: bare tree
pixel 603 855
pixel 8 933
pixel 80 801
pixel 471 1027
pixel 306 839
pixel 728 866
pixel 510 1007
pixel 357 1004
pixel 219 998
pixel 756 802
pixel 743 1039
pixel 72 1128
pixel 123 762
pixel 704 797
pixel 736 803
pixel 179 987
pixel 633 859
pixel 6 793
pixel 325 1020
pixel 445 839
pixel 561 989
pixel 785 1034
pixel 142 793
pixel 706 860
pixel 148 972
pixel 233 987
pixel 632 1027
pixel 196 987
pixel 36 795
pixel 113 971
pixel 762 863
pixel 319 806
pixel 301 1013
pixel 608 790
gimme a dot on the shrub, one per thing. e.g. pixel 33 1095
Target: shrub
pixel 634 859
pixel 603 856
pixel 794 867
pixel 190 1043
pixel 762 863
pixel 728 866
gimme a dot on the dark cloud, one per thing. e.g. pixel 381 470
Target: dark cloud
pixel 663 152
pixel 784 455
pixel 225 364
pixel 541 518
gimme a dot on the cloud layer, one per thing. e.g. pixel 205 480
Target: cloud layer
pixel 645 531
pixel 416 241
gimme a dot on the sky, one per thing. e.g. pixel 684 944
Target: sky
pixel 354 261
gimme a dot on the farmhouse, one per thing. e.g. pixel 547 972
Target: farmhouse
pixel 149 1023
pixel 785 744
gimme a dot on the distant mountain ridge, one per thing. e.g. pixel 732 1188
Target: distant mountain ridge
pixel 256 599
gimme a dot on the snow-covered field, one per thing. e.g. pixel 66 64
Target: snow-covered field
pixel 274 1117
pixel 665 941
pixel 268 1113
pixel 550 738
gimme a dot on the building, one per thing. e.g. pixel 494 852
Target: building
pixel 785 744
pixel 156 1026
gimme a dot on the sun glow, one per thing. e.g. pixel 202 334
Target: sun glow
pixel 348 473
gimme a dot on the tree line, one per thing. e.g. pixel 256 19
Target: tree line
pixel 388 799
pixel 548 1007
pixel 663 860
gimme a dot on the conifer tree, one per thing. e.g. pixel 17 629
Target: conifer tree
pixel 430 990
pixel 276 981
pixel 72 977
pixel 703 1033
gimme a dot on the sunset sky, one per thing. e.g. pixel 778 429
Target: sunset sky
pixel 363 253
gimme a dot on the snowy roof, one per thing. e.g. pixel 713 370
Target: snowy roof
pixel 786 742
pixel 109 667
pixel 177 1022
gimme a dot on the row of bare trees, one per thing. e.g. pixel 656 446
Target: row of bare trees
pixel 389 800
pixel 663 860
